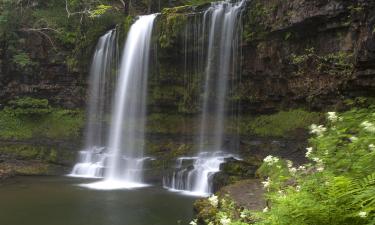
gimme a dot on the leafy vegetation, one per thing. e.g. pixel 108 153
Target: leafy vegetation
pixel 26 118
pixel 336 187
pixel 73 25
pixel 281 124
pixel 174 21
pixel 336 64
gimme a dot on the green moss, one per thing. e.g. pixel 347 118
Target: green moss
pixel 29 170
pixel 255 27
pixel 281 124
pixel 172 22
pixel 199 2
pixel 23 151
pixel 166 123
pixel 56 123
pixel 336 63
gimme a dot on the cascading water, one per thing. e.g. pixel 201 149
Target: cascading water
pixel 126 135
pixel 91 159
pixel 222 18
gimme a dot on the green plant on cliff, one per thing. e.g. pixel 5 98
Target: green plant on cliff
pixel 29 107
pixel 281 124
pixel 65 29
pixel 336 63
pixel 173 22
pixel 26 118
pixel 255 27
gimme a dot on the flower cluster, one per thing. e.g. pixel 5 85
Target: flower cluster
pixel 309 151
pixel 371 147
pixel 292 170
pixel 318 130
pixel 271 160
pixel 267 183
pixel 332 116
pixel 370 127
pixel 362 214
pixel 225 220
pixel 194 222
pixel 214 201
pixel 353 139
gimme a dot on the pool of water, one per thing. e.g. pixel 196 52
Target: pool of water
pixel 61 201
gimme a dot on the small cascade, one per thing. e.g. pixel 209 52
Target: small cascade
pixel 221 23
pixel 126 135
pixel 193 175
pixel 92 158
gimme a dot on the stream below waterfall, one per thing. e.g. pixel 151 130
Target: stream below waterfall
pixel 36 200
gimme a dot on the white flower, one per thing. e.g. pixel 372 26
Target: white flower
pixel 265 210
pixel 267 183
pixel 244 214
pixel 214 200
pixel 353 139
pixel 225 220
pixel 298 188
pixel 293 170
pixel 289 163
pixel 371 147
pixel 317 160
pixel 332 116
pixel 320 168
pixel 282 194
pixel 270 160
pixel 318 130
pixel 309 151
pixel 302 168
pixel 194 222
pixel 362 214
pixel 370 127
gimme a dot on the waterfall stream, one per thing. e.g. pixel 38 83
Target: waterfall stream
pixel 120 160
pixel 123 157
pixel 222 20
pixel 91 159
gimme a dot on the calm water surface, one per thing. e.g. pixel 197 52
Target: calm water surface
pixel 60 201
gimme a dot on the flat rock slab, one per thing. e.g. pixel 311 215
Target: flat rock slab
pixel 247 193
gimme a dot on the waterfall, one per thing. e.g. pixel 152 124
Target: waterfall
pixel 222 20
pixel 122 160
pixel 91 159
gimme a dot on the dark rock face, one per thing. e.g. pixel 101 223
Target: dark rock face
pixel 48 77
pixel 281 30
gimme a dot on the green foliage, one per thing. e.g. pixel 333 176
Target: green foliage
pixel 199 2
pixel 255 27
pixel 173 23
pixel 99 10
pixel 336 63
pixel 68 35
pixel 281 124
pixel 22 60
pixel 219 211
pixel 33 118
pixel 28 107
pixel 338 186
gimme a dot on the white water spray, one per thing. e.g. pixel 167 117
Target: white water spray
pixel 222 18
pixel 92 158
pixel 126 136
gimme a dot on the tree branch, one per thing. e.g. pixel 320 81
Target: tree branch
pixel 41 32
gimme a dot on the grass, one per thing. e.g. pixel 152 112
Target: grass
pixel 58 124
pixel 281 124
